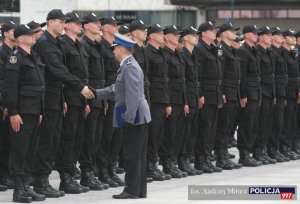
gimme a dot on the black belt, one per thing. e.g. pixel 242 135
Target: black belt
pixel 212 82
pixel 281 76
pixel 294 79
pixel 267 76
pixel 179 81
pixel 192 84
pixel 159 79
pixel 32 88
pixel 232 81
pixel 253 79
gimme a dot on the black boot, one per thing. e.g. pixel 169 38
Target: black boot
pixel 248 161
pixel 287 153
pixel 88 180
pixel 154 173
pixel 266 157
pixel 183 166
pixel 286 159
pixel 228 160
pixel 273 154
pixel 258 155
pixel 7 181
pixel 20 196
pixel 220 160
pixel 213 167
pixel 42 186
pixel 190 166
pixel 105 178
pixel 200 164
pixel 115 177
pixel 67 184
pixel 35 196
pixel 168 168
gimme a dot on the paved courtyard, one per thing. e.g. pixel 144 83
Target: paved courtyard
pixel 176 190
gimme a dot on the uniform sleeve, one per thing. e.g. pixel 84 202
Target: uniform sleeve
pixel 57 69
pixel 132 93
pixel 200 59
pixel 10 86
pixel 243 66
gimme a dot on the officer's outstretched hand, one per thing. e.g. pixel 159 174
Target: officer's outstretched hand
pixel 16 122
pixel 87 93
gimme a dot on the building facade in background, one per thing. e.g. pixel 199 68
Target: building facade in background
pixel 283 13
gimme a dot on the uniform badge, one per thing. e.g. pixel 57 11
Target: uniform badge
pixel 13 60
pixel 220 52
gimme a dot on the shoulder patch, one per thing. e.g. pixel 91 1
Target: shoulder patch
pixel 128 62
pixel 44 37
pixel 13 59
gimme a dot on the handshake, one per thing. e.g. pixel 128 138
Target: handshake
pixel 88 92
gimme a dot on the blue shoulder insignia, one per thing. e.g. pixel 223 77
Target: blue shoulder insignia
pixel 43 37
pixel 128 62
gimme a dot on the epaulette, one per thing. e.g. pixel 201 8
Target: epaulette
pixel 128 62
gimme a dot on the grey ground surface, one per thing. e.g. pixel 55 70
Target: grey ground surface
pixel 176 190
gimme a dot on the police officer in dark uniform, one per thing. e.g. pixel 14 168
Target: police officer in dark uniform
pixel 281 80
pixel 296 143
pixel 74 117
pixel 159 99
pixel 56 75
pixel 7 47
pixel 138 33
pixel 231 89
pixel 266 59
pixel 174 123
pixel 293 95
pixel 94 119
pixel 23 92
pixel 250 96
pixel 210 93
pixel 111 137
pixel 190 38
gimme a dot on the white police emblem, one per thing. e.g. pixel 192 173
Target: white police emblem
pixel 142 22
pixel 93 14
pixel 220 52
pixel 277 28
pixel 193 28
pixel 13 59
pixel 27 27
pixel 174 27
pixel 210 23
pixel 158 25
pixel 268 27
pixel 291 31
pixel 113 18
pixel 255 26
pixel 76 15
pixel 230 24
pixel 11 22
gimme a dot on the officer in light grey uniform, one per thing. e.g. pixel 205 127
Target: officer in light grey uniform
pixel 131 112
